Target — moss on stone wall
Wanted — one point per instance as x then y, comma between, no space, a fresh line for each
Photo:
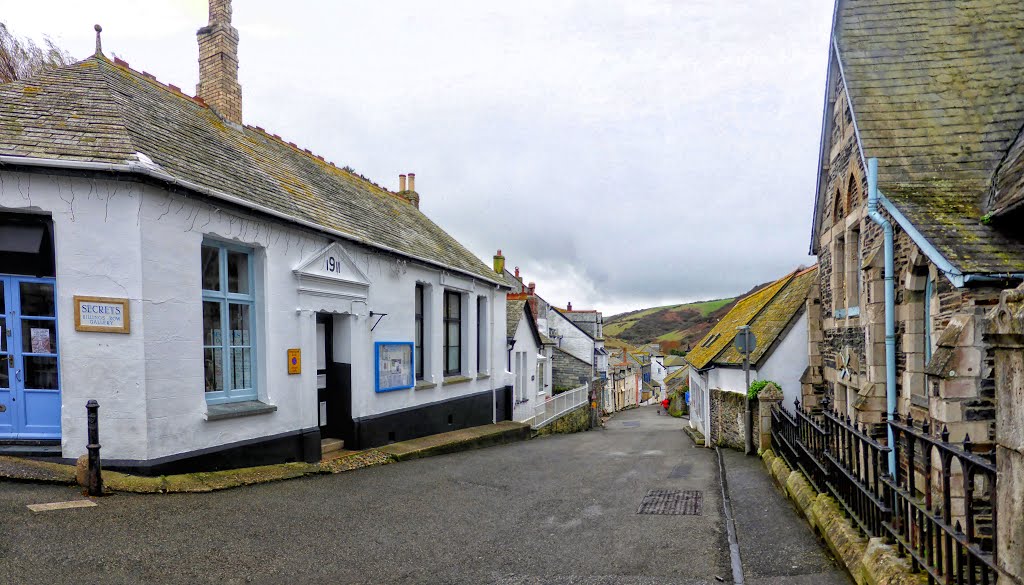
572,422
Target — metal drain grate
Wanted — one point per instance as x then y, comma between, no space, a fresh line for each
674,502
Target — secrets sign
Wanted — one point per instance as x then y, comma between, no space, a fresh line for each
102,314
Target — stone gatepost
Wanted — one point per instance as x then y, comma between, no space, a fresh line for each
768,397
1005,333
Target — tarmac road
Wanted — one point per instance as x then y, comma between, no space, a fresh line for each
559,509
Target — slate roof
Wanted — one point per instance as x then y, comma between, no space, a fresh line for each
99,111
1007,192
936,95
674,360
767,311
513,313
680,376
772,321
516,310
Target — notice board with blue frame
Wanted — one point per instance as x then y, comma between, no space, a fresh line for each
394,365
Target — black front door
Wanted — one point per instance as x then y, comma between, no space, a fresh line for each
333,383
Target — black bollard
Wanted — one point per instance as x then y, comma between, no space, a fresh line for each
95,479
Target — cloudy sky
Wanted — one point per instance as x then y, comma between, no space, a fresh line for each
624,154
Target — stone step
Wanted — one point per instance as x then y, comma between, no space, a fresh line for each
331,445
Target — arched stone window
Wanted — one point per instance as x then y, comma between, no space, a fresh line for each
852,193
838,210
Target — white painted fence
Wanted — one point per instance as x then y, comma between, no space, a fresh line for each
559,404
524,411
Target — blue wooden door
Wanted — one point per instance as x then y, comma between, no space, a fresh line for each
30,400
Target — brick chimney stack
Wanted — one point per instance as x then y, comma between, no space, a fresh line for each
499,263
531,299
218,63
569,307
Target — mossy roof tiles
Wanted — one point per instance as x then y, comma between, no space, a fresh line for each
768,312
935,88
722,334
773,320
101,112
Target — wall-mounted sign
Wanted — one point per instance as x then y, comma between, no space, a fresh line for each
394,365
295,361
103,314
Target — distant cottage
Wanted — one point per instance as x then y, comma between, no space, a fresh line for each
273,303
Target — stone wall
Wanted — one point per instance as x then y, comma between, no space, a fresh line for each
574,421
566,370
726,426
1005,334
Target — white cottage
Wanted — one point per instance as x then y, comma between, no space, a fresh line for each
529,360
777,317
227,297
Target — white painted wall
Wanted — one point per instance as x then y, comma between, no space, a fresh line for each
789,361
729,379
658,370
525,387
700,402
121,239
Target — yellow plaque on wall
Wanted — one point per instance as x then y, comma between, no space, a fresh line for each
295,361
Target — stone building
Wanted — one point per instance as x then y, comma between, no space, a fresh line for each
948,183
921,135
228,297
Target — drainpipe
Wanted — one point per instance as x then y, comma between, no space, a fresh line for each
890,306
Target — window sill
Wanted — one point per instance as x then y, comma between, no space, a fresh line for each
421,385
919,401
455,380
237,409
482,376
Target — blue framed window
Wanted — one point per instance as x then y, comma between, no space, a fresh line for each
229,308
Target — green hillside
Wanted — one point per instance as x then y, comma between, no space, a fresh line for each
674,326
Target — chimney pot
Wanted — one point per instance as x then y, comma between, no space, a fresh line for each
401,183
569,306
517,272
412,181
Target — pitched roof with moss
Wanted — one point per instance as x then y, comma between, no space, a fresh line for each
98,111
774,320
768,311
935,94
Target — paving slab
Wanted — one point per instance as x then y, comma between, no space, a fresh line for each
777,546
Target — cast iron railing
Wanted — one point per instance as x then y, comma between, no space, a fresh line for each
952,545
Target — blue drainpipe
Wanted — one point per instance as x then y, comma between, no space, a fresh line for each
890,305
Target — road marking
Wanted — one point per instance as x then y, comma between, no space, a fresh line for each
61,505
